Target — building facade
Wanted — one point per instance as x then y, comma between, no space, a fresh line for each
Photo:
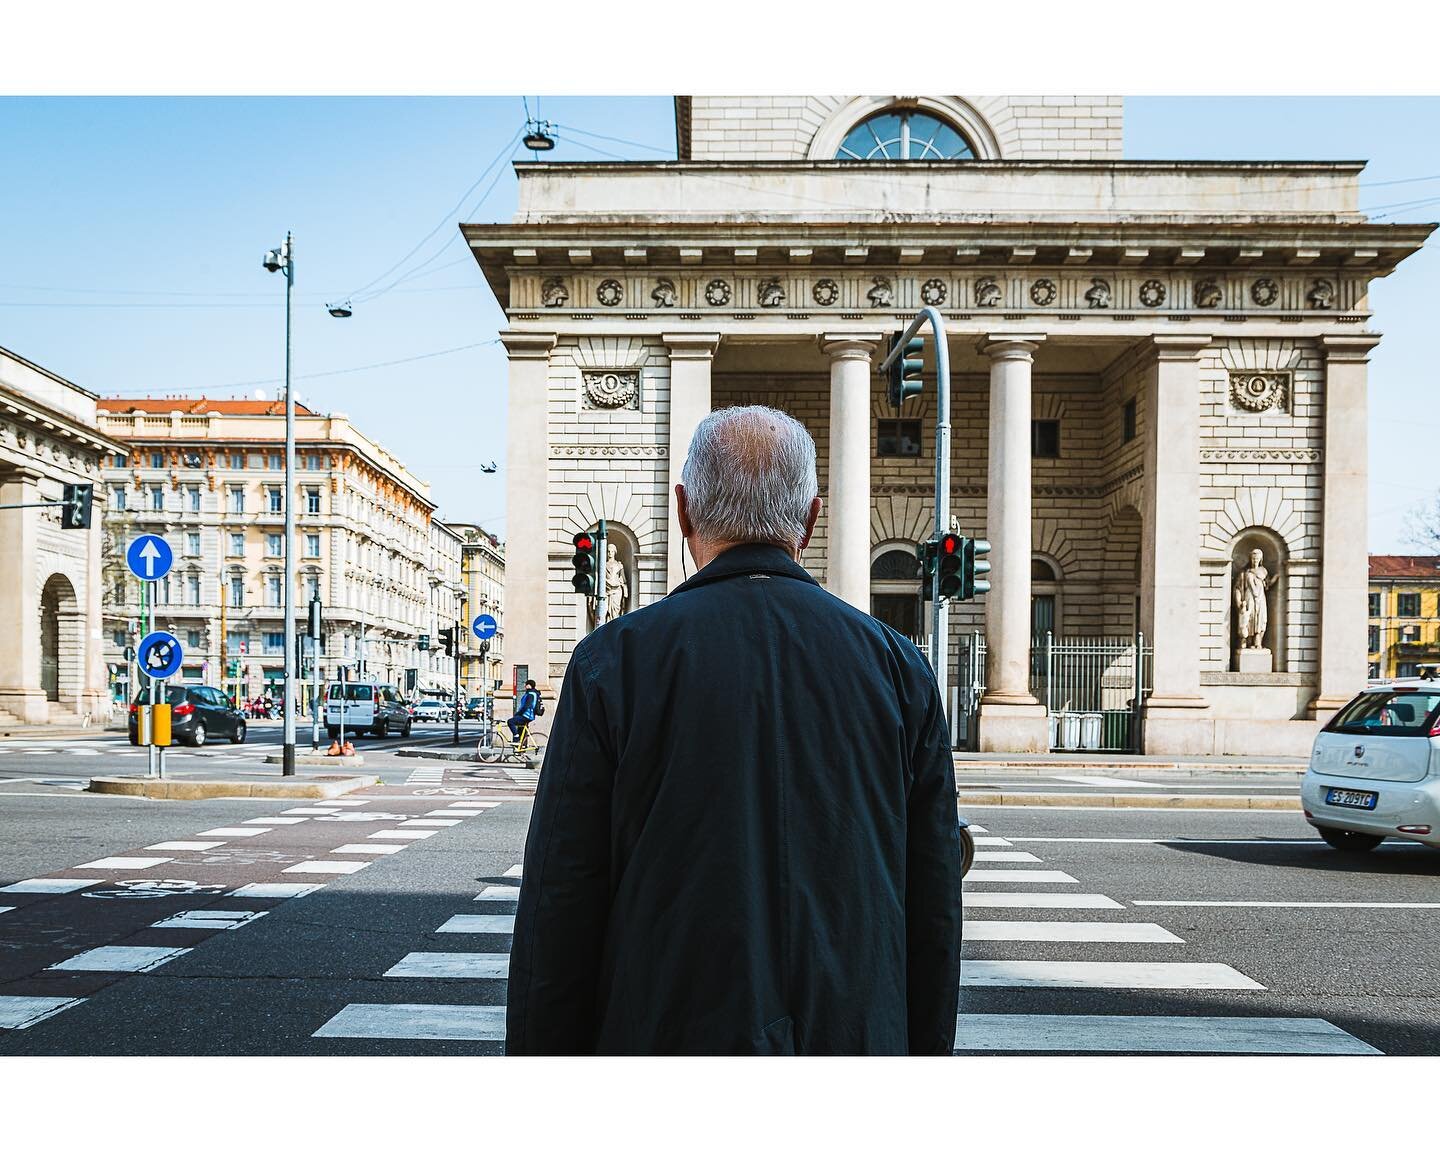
1158,370
445,609
483,574
208,475
50,578
1404,610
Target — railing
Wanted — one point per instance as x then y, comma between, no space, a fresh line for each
1093,688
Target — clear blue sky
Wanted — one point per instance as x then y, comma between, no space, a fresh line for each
133,231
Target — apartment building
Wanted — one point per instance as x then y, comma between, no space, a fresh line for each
1404,611
483,574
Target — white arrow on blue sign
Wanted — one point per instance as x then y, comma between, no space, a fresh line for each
484,627
149,557
159,655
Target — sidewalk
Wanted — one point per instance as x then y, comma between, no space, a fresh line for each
1126,766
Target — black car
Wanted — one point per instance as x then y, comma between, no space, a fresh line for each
196,715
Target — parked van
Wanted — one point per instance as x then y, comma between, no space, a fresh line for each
376,708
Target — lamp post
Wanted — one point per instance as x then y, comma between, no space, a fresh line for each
282,260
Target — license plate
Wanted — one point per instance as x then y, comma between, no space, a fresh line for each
1346,798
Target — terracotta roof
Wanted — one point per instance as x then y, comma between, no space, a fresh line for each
1405,567
201,406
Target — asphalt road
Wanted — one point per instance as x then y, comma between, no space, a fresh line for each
1110,930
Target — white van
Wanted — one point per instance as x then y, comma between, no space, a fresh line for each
363,707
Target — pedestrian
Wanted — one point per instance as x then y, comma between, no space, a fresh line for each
745,837
525,705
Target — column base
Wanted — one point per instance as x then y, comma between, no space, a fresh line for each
1013,724
1179,725
28,705
1323,707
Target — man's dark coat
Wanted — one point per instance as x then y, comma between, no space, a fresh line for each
744,838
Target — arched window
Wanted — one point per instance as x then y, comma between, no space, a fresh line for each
896,564
904,134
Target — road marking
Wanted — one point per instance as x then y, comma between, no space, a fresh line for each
1039,900
118,958
403,834
6,908
184,846
126,863
1071,931
454,966
1100,974
1221,1035
1108,782
308,812
1006,857
275,891
514,872
48,887
1017,876
454,812
499,892
1314,842
992,841
430,823
235,832
500,925
22,1011
371,849
976,828
277,820
341,803
1281,903
208,918
476,804
416,1022
333,866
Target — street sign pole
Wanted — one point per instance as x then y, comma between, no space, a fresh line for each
455,711
155,763
288,756
600,590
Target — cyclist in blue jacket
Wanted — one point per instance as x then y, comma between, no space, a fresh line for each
525,706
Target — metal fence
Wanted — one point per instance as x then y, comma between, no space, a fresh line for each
1093,688
966,691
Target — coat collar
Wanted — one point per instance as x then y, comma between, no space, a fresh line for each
745,560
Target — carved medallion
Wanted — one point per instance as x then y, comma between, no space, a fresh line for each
609,293
1043,293
663,294
607,388
717,293
1260,391
554,294
1098,294
1321,294
1208,294
987,293
772,293
1264,292
933,292
882,295
825,292
1152,293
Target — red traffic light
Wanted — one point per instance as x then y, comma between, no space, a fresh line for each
950,544
584,541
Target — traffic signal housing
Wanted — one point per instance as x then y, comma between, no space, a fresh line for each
587,546
926,553
951,558
904,379
76,500
447,640
974,566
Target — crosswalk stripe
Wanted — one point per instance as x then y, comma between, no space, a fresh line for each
1238,1035
454,965
1017,876
416,1022
1175,975
466,923
1070,931
1039,900
499,892
118,958
22,1011
1006,858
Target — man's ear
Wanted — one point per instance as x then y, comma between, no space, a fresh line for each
682,511
810,521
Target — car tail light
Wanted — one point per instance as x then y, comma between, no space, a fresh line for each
134,708
1418,829
182,709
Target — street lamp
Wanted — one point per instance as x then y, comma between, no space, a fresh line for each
538,136
282,260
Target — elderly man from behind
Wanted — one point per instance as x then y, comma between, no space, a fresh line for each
744,837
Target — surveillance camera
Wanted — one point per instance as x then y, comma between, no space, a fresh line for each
272,260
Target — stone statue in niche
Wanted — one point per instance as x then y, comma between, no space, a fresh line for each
617,586
1252,615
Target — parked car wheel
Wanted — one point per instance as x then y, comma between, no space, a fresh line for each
406,732
238,737
1350,841
333,733
381,730
197,735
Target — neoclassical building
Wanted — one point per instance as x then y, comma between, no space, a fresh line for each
1158,369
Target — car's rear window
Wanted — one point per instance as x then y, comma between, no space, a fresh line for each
353,692
1397,713
172,696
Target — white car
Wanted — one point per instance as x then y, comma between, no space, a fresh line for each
433,710
1375,769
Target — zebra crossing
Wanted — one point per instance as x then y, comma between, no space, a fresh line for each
1000,975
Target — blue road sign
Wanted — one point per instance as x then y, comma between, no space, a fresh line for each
149,557
159,655
484,627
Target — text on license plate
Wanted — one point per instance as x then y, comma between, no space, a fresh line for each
1345,798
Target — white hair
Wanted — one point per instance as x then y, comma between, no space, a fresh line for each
750,477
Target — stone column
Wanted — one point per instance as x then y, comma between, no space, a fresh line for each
527,503
95,697
1344,556
847,561
691,357
1177,718
1011,719
20,691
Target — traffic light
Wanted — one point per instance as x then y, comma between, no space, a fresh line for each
970,587
926,553
587,544
447,640
905,369
952,557
76,501
422,642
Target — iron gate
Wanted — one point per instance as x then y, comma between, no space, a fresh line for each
1093,688
965,694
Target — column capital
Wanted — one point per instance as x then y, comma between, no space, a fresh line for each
1017,346
691,345
1349,347
850,345
1186,346
528,345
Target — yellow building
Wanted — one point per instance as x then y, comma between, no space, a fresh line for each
483,574
1404,615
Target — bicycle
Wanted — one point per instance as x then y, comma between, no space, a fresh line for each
498,745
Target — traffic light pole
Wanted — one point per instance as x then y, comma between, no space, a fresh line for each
600,590
940,617
455,711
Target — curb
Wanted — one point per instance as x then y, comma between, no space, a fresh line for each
449,754
1121,800
1126,769
319,760
306,788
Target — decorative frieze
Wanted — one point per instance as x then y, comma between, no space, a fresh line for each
1264,292
1261,455
644,451
1260,391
